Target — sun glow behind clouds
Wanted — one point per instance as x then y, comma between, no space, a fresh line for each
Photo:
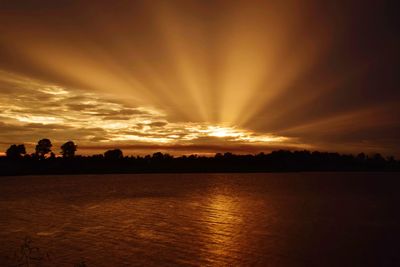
178,132
200,72
38,119
189,62
93,118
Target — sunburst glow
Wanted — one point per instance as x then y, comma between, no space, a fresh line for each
199,72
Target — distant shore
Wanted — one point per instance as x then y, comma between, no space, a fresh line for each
276,161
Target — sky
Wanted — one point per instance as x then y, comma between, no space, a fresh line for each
200,77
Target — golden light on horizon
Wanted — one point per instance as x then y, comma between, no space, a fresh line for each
190,72
117,122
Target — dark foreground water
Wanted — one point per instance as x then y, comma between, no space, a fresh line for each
290,219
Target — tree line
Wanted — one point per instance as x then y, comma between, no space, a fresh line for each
44,161
43,149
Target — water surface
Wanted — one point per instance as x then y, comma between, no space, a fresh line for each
288,219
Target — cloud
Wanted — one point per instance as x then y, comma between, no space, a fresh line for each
179,149
35,110
46,126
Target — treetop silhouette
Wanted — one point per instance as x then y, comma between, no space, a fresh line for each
113,154
43,148
16,151
68,149
17,162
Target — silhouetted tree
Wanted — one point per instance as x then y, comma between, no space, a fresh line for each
218,156
378,157
168,156
361,157
113,154
43,147
228,155
158,156
113,161
16,151
68,149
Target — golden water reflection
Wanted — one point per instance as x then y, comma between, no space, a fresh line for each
224,222
195,219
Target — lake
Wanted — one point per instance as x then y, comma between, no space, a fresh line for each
257,219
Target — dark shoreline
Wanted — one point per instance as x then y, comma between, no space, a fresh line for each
277,161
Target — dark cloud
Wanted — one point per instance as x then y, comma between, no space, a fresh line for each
116,118
158,124
110,112
98,139
9,129
188,149
80,107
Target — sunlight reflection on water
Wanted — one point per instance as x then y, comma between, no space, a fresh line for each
190,219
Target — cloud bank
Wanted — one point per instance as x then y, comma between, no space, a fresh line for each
32,110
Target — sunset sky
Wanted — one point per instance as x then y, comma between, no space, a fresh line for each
200,76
